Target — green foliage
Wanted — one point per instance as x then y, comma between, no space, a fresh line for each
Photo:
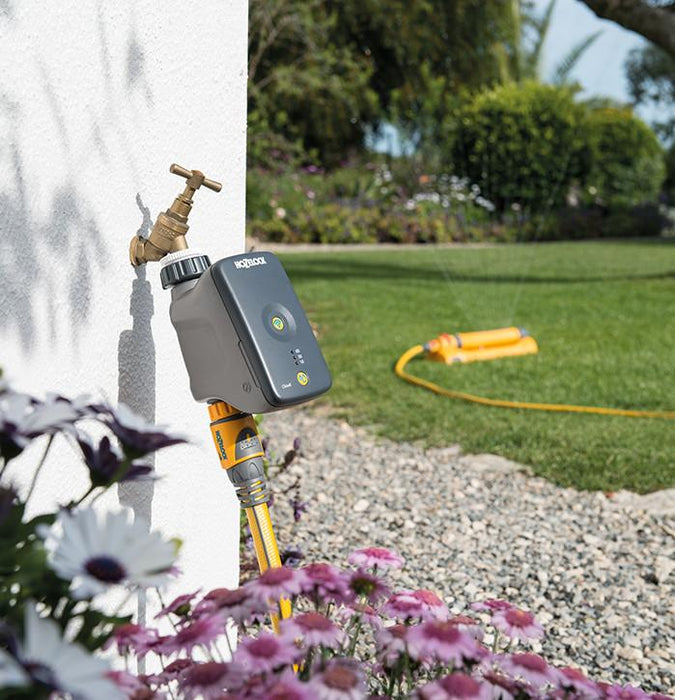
303,85
669,184
523,145
627,166
651,79
322,72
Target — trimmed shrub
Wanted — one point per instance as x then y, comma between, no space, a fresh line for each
522,144
627,163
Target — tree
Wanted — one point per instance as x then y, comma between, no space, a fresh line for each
651,78
524,61
654,20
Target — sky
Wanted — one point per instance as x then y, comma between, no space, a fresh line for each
601,69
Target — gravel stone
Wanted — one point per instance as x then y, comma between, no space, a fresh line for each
596,569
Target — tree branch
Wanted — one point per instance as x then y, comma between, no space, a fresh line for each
651,21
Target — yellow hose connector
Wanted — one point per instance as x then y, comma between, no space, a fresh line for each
235,436
485,345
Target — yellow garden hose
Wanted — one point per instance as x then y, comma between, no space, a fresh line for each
408,355
235,436
266,550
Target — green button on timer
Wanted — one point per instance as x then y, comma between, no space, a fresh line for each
278,323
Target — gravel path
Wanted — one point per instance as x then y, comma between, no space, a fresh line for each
599,573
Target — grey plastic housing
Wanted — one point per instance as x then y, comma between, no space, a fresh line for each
245,337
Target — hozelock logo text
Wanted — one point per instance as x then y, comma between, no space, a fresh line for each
221,446
245,263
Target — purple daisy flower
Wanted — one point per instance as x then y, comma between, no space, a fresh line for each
433,608
275,583
342,679
442,641
517,624
503,687
391,643
467,625
456,686
202,631
368,586
209,680
531,667
376,557
404,606
106,463
626,692
137,436
131,637
288,687
325,582
491,605
170,673
237,604
365,612
266,652
179,606
571,679
314,629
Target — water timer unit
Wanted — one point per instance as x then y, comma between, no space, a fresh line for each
244,336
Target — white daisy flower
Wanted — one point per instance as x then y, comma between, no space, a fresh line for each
96,555
55,664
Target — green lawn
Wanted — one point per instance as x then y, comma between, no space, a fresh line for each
602,312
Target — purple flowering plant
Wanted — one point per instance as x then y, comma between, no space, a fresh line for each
350,636
56,566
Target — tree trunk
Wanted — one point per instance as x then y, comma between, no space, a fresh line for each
656,23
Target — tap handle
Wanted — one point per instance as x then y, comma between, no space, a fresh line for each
195,178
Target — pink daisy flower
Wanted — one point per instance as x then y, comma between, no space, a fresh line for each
266,652
126,682
433,607
456,686
491,605
626,692
178,606
364,612
288,687
571,679
467,625
517,624
368,586
202,631
314,629
403,606
275,583
170,673
503,687
531,667
209,680
324,583
131,637
441,641
391,643
342,679
376,557
237,604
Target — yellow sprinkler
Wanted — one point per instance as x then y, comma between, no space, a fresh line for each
479,346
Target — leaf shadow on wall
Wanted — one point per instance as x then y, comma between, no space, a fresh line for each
38,253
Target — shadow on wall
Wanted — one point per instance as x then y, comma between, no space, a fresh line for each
35,254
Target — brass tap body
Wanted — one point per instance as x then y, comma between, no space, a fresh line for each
168,233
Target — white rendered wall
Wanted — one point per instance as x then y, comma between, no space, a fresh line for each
97,99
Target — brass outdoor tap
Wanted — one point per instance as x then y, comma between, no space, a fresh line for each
168,233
